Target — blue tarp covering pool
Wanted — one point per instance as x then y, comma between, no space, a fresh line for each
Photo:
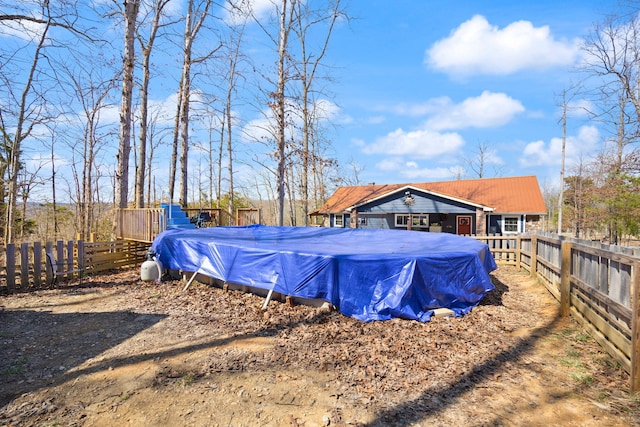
366,274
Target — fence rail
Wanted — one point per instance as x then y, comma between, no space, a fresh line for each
598,285
24,267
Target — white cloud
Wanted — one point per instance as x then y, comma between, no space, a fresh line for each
539,153
237,11
390,164
418,143
433,105
23,29
411,171
477,47
428,174
580,108
485,111
489,109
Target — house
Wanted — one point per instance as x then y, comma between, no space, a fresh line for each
507,205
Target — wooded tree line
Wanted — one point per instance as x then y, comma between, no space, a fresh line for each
83,130
602,194
81,125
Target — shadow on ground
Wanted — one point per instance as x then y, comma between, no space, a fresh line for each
37,348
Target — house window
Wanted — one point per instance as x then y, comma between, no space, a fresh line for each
420,221
402,220
362,221
417,220
510,225
338,221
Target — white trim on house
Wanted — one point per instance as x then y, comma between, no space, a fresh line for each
335,220
508,228
420,190
418,220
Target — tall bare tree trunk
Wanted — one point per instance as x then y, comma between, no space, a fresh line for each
194,21
174,145
564,142
280,112
144,101
309,63
122,172
230,88
15,151
184,134
219,161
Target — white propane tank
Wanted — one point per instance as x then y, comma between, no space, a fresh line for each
151,270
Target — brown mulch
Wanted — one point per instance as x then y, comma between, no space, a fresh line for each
510,361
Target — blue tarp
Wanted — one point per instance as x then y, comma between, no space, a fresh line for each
366,274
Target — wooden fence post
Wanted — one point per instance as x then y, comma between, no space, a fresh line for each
635,327
81,256
565,279
24,266
59,255
48,249
37,264
534,256
11,266
70,258
518,252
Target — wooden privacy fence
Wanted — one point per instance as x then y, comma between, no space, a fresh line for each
24,267
599,285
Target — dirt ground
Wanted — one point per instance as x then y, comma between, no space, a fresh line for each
117,351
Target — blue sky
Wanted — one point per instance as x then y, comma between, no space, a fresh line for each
417,87
421,84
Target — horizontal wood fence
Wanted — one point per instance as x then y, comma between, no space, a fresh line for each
599,285
24,267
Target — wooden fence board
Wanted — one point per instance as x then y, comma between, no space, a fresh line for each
612,334
11,266
634,370
602,340
614,312
37,264
24,266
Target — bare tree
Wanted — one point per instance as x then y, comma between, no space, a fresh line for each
612,66
235,41
130,13
563,120
156,12
280,104
195,18
154,140
213,149
304,22
91,91
229,75
612,63
27,107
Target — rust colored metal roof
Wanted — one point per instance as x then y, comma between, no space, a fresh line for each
520,194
